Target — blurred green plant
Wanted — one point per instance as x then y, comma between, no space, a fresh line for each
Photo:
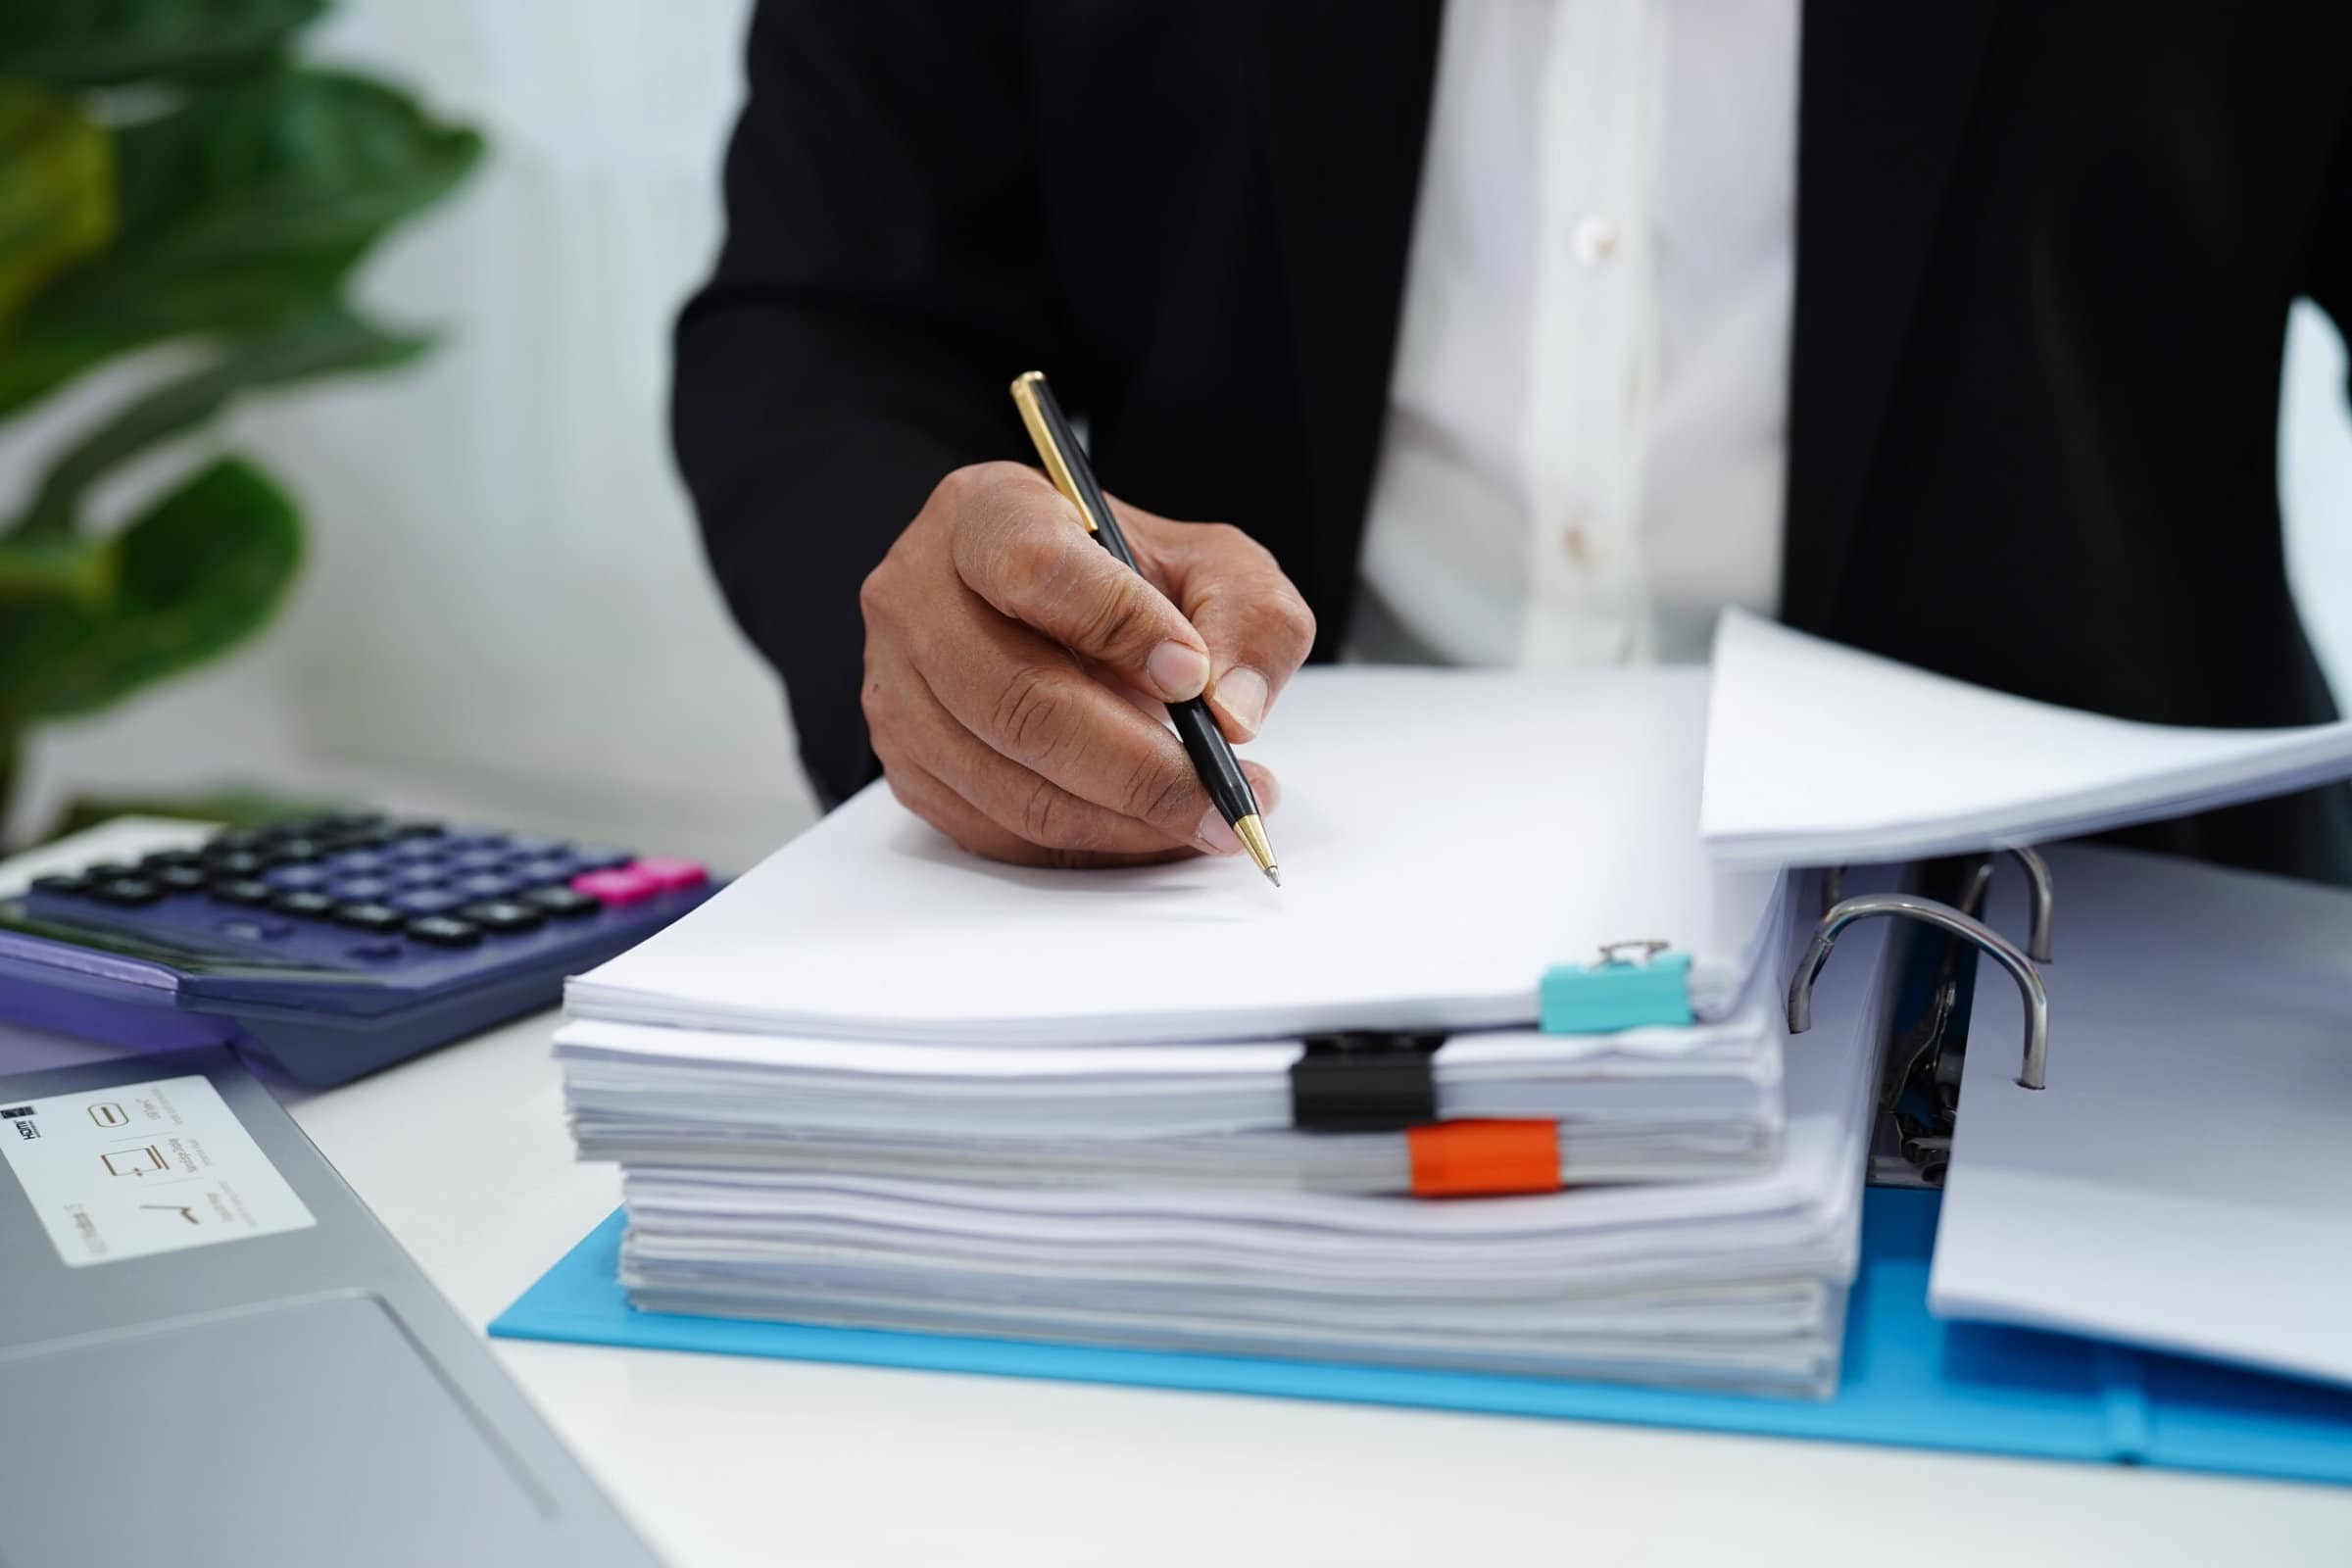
170,173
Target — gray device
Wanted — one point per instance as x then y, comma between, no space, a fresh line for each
213,1356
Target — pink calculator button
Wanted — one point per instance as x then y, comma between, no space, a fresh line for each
624,885
670,875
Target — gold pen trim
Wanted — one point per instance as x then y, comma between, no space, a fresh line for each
1049,451
1252,834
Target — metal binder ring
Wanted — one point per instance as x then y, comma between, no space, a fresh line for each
2037,878
1863,907
2039,884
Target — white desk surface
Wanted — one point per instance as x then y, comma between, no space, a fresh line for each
725,1461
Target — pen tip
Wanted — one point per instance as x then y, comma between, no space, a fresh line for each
1274,874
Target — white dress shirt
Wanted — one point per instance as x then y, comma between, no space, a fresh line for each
1584,451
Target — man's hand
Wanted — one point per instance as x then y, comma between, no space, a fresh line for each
1010,663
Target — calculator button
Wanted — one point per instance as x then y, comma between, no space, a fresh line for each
293,849
547,870
480,859
670,875
236,862
562,902
615,888
359,889
242,889
415,876
371,917
178,878
424,901
501,914
257,928
413,849
235,838
162,857
600,856
61,883
535,843
443,931
303,902
488,885
412,828
297,875
125,890
356,862
109,870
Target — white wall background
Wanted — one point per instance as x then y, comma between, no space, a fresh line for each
505,612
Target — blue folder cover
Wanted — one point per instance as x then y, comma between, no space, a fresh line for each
1910,1380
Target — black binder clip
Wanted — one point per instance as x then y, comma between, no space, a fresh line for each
1365,1082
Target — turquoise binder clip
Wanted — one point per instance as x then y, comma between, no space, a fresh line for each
1620,992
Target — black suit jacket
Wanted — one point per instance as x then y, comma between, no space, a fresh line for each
2045,252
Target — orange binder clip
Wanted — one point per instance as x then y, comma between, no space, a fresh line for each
1483,1158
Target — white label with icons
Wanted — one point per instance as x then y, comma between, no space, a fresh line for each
136,1169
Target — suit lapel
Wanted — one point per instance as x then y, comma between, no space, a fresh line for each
1344,88
1885,97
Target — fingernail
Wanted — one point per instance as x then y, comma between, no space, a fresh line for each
1242,693
1268,790
1218,834
1177,671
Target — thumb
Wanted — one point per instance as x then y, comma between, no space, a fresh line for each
1257,626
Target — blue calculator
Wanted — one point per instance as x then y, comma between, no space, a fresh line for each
328,946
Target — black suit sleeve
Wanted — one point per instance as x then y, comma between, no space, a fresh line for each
878,287
2331,276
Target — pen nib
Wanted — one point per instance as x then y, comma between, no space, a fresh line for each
1252,834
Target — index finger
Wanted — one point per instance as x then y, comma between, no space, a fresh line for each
1024,549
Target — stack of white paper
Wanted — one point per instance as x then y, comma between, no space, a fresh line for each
1643,1105
880,1082
1818,755
1736,1283
1433,896
871,1001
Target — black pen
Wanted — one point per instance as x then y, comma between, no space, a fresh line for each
1065,463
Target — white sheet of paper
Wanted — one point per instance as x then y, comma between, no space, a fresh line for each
1445,837
2185,1181
1819,754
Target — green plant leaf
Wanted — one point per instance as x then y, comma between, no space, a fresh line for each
71,567
331,342
56,189
242,211
88,43
204,570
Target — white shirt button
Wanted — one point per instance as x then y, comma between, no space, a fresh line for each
1577,540
1594,239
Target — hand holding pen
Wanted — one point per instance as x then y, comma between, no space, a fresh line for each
996,631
